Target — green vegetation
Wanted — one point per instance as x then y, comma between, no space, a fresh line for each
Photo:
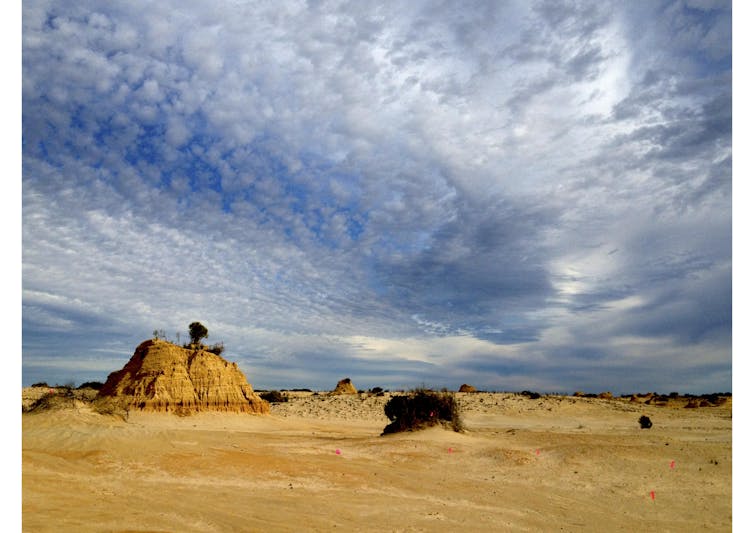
197,332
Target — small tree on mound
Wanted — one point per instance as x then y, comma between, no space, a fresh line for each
197,332
420,409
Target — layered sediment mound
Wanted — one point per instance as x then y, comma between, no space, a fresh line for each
344,386
161,376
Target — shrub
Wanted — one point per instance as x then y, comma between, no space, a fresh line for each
40,384
217,349
96,385
645,422
531,395
712,399
274,396
110,406
62,398
420,409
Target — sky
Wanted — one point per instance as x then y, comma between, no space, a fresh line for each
515,195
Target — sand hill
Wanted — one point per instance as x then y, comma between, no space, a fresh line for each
161,376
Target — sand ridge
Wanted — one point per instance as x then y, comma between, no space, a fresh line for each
550,464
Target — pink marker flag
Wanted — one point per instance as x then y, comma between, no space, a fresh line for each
538,451
652,494
450,450
337,451
672,464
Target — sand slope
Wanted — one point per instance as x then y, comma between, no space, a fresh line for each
553,464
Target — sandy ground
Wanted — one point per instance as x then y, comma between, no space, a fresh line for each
318,463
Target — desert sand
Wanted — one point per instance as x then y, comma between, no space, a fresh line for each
318,463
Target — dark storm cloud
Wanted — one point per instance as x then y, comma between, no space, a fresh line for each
476,269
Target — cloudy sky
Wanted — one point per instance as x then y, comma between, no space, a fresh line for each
516,195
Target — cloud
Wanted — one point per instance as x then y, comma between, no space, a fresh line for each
514,177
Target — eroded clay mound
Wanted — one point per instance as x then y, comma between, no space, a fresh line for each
162,376
344,386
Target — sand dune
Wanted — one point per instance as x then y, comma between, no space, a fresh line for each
318,463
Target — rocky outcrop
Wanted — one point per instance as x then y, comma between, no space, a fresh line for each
344,386
466,388
161,376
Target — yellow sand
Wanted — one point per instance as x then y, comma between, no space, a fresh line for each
553,464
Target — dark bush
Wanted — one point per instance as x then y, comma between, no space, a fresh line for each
216,349
645,422
274,396
96,385
711,398
531,395
41,384
420,409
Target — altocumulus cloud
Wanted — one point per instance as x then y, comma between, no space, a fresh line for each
516,195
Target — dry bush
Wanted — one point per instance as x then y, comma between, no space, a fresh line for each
62,398
110,406
420,409
274,396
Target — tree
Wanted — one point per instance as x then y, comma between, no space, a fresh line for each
197,332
